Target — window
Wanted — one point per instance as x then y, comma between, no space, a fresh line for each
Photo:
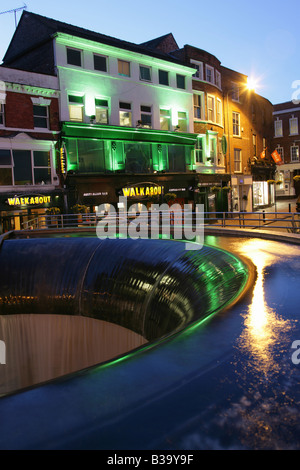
235,93
74,57
41,167
212,150
237,160
40,116
101,111
199,69
125,114
219,112
218,79
24,167
182,121
146,116
281,152
209,71
5,168
236,123
1,114
145,73
254,144
100,63
180,81
293,126
199,151
76,108
163,77
165,119
210,108
198,106
124,68
176,158
295,153
278,128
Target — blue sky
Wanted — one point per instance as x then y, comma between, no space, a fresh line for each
258,38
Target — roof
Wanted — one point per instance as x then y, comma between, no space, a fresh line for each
34,30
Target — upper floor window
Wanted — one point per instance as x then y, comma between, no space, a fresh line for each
5,168
182,121
74,57
236,124
24,167
235,92
180,81
278,128
163,77
146,116
100,63
125,114
76,108
199,150
237,160
219,112
145,73
281,152
293,126
101,111
295,153
218,79
212,150
199,69
1,114
41,116
210,76
254,144
165,119
210,108
124,68
198,106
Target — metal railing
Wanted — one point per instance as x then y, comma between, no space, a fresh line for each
287,221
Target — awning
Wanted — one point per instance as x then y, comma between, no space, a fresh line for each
95,131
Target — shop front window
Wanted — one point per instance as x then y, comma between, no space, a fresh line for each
91,156
138,158
176,155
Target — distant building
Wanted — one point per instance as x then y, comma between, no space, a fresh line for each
286,143
29,128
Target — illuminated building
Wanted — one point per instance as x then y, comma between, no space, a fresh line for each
138,114
286,143
29,128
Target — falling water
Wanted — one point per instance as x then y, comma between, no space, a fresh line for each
68,304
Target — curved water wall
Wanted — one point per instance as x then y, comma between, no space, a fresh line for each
151,287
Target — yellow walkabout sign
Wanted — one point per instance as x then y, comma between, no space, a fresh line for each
28,200
143,190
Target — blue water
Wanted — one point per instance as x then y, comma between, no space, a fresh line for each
227,383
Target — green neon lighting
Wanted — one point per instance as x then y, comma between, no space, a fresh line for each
83,130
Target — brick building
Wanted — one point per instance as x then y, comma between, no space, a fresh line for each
286,142
29,127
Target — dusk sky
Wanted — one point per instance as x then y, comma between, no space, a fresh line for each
258,38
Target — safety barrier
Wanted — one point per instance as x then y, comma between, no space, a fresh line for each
287,221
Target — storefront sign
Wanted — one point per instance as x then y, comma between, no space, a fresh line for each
142,190
28,200
101,193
